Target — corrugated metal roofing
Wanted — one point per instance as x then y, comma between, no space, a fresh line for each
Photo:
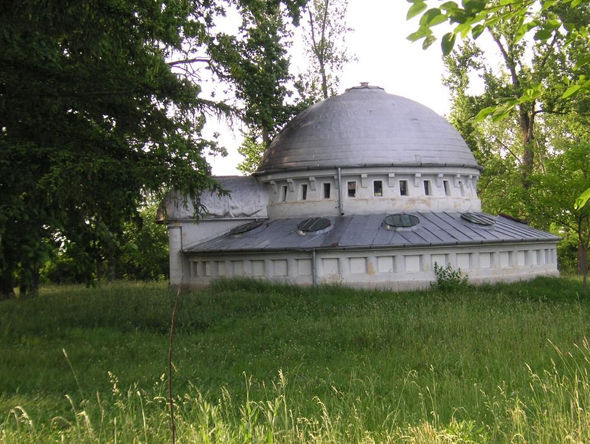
365,126
367,231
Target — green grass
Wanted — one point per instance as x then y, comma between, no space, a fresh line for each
258,362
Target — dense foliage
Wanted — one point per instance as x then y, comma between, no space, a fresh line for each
527,118
101,106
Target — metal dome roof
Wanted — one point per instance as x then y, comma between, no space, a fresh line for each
365,126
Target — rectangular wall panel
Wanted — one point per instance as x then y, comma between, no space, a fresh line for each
304,267
221,271
485,260
464,261
385,264
412,263
505,257
440,259
237,268
358,265
330,266
279,267
257,268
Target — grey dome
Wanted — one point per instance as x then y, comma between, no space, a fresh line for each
365,126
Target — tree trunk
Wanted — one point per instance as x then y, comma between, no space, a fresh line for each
6,285
324,80
30,278
265,138
527,121
583,263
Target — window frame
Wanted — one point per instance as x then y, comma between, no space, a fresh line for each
303,189
447,187
380,192
349,189
404,189
328,188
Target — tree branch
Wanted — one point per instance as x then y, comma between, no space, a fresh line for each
188,61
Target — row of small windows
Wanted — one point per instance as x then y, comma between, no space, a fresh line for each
351,187
403,188
303,193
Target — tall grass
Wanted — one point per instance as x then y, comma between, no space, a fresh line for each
266,363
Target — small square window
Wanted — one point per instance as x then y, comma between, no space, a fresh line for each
403,187
352,189
284,193
447,187
378,188
304,191
326,190
427,190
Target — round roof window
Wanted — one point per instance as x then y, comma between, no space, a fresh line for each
401,220
479,219
313,225
237,231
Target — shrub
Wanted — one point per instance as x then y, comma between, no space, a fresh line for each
448,279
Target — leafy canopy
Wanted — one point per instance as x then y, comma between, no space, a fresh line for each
94,115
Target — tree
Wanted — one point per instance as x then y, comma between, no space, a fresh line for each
551,197
94,115
543,19
256,63
324,32
325,38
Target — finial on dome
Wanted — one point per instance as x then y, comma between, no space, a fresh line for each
365,85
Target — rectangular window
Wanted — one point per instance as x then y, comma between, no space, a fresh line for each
403,187
377,188
304,191
284,193
352,189
447,188
326,190
427,188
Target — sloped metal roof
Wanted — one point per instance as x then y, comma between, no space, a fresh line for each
367,231
365,126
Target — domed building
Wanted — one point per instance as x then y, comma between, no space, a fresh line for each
364,189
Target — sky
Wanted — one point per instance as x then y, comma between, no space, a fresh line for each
384,57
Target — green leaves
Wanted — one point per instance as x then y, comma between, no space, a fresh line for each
582,200
93,117
448,41
432,17
507,104
571,91
416,8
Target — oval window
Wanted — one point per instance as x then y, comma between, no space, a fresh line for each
401,220
237,231
479,219
313,225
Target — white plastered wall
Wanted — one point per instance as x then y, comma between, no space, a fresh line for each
396,269
450,189
185,233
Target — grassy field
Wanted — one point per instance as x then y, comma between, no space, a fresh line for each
261,363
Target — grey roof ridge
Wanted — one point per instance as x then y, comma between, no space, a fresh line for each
367,165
